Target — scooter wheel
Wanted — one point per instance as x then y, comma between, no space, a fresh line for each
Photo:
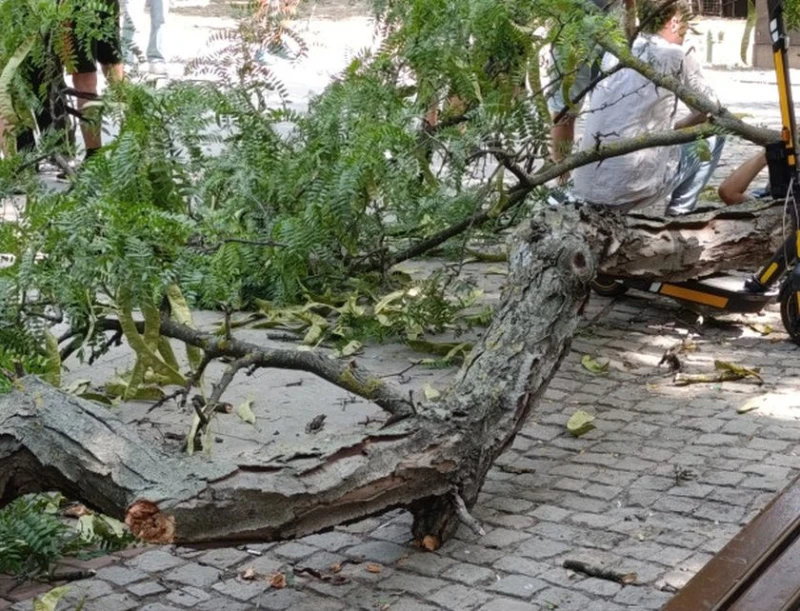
608,287
790,312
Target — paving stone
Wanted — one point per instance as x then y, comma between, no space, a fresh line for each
470,574
542,547
159,607
509,504
411,583
194,574
294,551
602,492
112,602
598,587
87,589
121,575
652,482
501,538
241,590
383,552
721,478
521,586
332,541
278,600
406,603
575,502
146,588
396,533
216,603
509,604
550,513
469,552
426,563
520,565
594,520
317,603
224,558
562,599
642,596
188,597
155,561
459,598
264,565
720,512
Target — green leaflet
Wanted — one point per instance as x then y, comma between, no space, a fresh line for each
7,113
580,423
145,347
50,600
52,373
245,412
182,314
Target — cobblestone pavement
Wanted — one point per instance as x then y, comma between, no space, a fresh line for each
668,476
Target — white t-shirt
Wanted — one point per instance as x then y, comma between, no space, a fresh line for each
627,105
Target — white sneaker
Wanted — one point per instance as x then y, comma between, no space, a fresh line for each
158,68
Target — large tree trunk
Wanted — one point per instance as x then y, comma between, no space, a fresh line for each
696,245
433,461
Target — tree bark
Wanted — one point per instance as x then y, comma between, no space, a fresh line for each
696,245
433,461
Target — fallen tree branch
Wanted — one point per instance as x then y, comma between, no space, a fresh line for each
463,514
349,376
600,572
51,440
692,98
518,193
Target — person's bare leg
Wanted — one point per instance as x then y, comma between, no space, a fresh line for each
562,136
3,149
90,130
114,73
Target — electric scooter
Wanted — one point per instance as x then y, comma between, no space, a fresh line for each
779,278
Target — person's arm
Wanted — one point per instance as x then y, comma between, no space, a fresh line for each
692,76
695,118
733,189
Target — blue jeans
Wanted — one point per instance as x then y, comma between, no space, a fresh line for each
159,9
693,175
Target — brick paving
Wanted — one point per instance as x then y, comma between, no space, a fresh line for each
612,498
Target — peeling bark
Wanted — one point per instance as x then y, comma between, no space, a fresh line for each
696,245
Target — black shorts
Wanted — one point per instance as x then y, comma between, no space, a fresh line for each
106,48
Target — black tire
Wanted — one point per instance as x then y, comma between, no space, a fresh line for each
790,312
608,287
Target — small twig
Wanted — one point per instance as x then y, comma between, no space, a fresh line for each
600,572
684,379
463,514
220,387
70,575
400,374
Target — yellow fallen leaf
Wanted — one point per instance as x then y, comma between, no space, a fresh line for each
430,392
580,423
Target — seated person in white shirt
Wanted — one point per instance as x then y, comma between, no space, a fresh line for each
627,105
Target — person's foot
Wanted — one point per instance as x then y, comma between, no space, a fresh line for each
158,69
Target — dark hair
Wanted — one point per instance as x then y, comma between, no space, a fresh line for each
654,14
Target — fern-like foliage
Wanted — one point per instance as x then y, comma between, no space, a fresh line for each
32,537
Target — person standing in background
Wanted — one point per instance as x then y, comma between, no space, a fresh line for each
156,62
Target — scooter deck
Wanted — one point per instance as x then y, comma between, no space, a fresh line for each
721,292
